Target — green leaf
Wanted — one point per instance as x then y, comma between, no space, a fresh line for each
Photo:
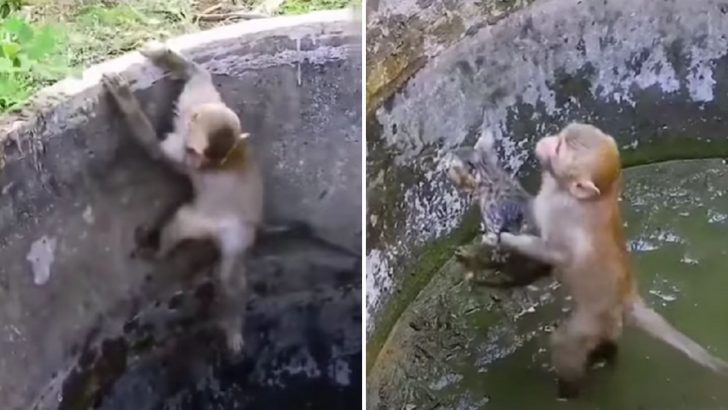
25,33
12,24
10,50
22,30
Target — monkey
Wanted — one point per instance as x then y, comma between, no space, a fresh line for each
208,146
504,207
581,235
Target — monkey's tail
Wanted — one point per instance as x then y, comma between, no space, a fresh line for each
643,317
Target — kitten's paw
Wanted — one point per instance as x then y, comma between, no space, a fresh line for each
491,239
465,253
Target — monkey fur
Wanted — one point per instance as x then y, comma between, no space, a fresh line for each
208,146
582,236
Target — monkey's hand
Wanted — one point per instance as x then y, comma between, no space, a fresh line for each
141,128
120,90
532,247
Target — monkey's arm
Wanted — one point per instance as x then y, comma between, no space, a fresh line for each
139,125
532,247
518,270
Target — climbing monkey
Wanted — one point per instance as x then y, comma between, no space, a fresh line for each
208,146
581,235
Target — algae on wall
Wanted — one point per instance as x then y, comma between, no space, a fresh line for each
403,34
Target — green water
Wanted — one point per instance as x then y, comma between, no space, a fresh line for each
459,348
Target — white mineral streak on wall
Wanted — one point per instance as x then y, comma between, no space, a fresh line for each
379,281
518,58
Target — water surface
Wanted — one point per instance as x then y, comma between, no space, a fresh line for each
458,348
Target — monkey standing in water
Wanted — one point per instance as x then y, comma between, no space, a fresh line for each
504,207
208,146
581,235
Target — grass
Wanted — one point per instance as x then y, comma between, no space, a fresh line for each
305,6
98,30
91,31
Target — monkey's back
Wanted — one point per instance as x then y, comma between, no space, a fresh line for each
231,193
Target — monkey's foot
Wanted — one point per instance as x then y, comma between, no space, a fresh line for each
144,253
235,342
568,389
146,244
154,50
606,351
164,57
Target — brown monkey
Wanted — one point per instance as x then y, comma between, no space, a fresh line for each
208,146
504,207
581,235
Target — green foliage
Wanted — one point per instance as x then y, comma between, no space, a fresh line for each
305,6
100,31
8,6
29,57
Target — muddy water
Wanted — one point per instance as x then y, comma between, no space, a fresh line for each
460,348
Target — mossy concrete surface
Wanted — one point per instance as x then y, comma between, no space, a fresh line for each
456,347
653,74
403,34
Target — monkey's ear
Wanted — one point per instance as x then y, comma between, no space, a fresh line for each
244,135
584,189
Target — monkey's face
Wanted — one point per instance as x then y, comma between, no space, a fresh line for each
569,163
552,153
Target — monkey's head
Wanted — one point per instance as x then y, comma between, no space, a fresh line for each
214,132
582,159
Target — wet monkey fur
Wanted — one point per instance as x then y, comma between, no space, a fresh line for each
581,235
208,146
